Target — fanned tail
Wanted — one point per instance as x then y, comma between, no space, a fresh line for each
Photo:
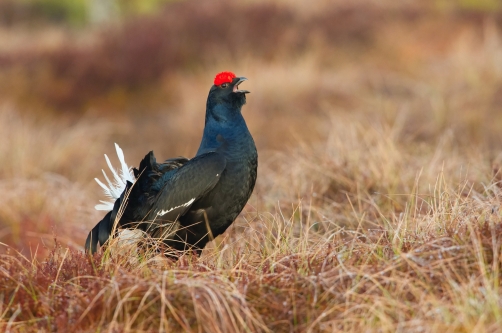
114,189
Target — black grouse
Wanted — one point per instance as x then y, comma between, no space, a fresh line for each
186,202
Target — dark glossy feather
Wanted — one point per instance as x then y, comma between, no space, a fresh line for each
186,202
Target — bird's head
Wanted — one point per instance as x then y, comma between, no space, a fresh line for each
225,95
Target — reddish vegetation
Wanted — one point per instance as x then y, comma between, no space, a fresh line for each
326,288
145,50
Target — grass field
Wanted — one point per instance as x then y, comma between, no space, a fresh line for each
377,205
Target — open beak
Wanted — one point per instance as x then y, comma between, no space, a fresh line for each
236,86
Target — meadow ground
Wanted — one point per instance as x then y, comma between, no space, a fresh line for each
377,205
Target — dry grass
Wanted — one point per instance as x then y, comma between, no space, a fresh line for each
377,207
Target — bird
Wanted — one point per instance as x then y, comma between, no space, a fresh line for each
186,202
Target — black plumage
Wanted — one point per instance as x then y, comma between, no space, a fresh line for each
186,202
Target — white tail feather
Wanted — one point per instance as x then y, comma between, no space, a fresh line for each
125,171
105,188
118,180
105,205
115,189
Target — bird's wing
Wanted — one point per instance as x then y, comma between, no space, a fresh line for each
188,184
151,178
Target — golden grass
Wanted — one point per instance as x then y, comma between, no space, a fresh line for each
415,272
377,206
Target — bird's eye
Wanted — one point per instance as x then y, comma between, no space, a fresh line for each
224,85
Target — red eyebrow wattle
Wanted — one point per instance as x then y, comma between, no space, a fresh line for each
223,77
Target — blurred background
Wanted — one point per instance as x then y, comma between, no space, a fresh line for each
78,75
